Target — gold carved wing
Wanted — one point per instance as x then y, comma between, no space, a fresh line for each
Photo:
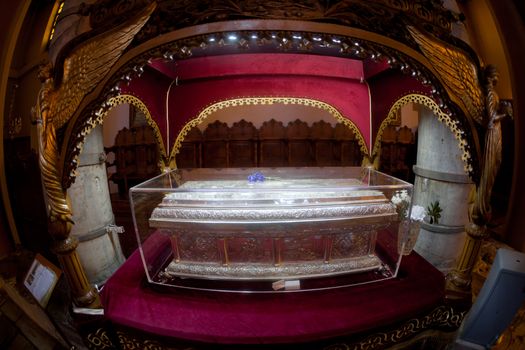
456,71
86,66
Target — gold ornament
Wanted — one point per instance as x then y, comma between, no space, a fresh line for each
84,68
456,70
479,101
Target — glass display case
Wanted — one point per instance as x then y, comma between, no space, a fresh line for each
270,229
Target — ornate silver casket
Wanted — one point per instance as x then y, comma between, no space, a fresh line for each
274,225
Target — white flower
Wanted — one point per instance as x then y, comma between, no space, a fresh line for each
418,213
401,200
396,200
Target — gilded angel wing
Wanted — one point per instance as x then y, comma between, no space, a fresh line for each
456,71
89,64
83,70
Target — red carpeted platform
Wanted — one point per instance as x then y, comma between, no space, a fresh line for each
233,318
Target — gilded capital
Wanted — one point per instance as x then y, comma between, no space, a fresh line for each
65,246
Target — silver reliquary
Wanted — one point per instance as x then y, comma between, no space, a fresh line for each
268,229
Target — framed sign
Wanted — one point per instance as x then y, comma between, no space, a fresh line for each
41,279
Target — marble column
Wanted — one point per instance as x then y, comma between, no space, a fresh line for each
440,176
99,249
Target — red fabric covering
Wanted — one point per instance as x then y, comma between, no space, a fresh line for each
204,81
230,318
372,68
151,89
210,67
386,89
349,97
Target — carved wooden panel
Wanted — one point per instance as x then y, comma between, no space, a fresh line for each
272,146
242,145
299,145
406,153
322,134
146,151
215,146
398,152
346,147
136,157
124,153
405,135
189,155
388,158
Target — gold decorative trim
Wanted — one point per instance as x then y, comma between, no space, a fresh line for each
444,318
250,101
379,14
181,42
77,74
52,23
99,340
135,101
109,338
443,117
128,341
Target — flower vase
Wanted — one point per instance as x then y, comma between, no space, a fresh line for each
408,233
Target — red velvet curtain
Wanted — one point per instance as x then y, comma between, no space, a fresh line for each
200,82
197,83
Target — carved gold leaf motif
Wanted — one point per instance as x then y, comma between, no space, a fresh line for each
456,71
89,64
444,118
83,70
134,101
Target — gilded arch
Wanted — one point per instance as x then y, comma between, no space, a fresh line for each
250,101
136,102
349,42
443,117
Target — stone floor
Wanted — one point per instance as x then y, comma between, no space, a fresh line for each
24,324
18,331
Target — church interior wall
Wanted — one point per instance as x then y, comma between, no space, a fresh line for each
23,75
484,37
480,24
11,17
117,119
510,22
410,116
23,72
6,245
386,89
350,98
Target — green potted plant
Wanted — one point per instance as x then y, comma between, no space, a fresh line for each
434,213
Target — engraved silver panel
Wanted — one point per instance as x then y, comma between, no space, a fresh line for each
264,272
276,229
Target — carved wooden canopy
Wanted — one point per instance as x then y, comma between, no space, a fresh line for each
403,34
412,37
